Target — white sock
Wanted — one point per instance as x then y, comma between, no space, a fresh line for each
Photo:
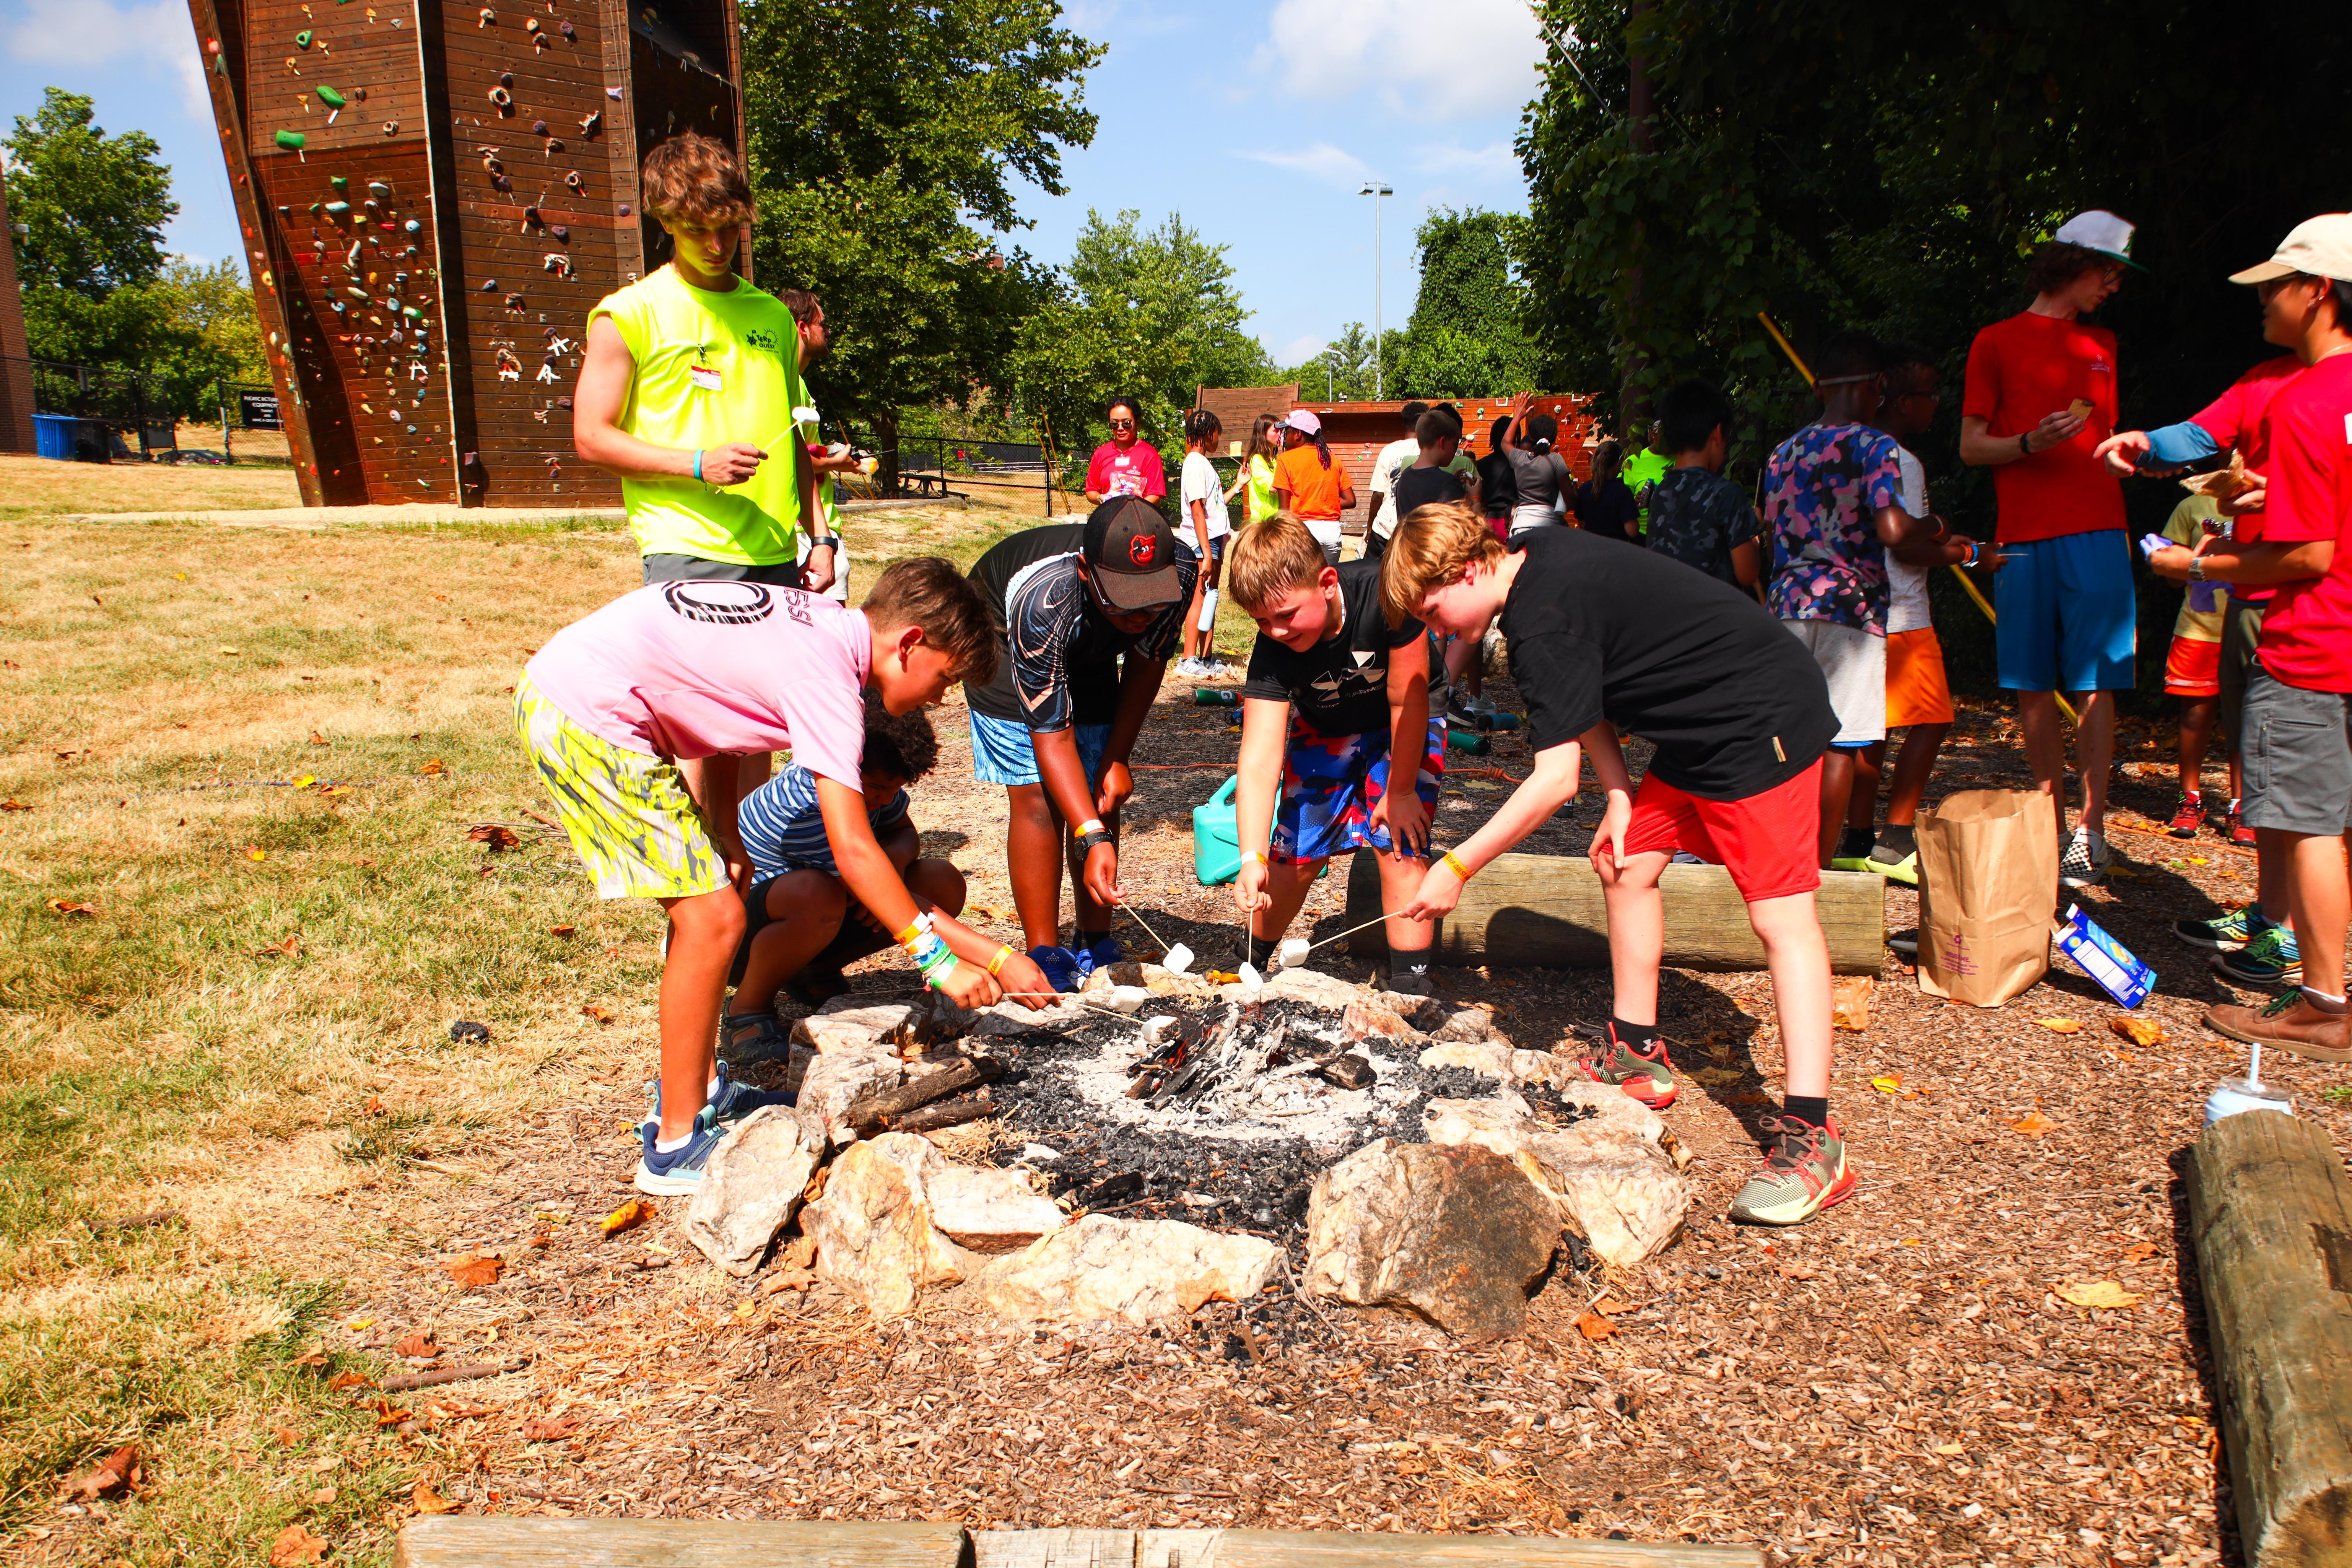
2323,1001
710,1089
672,1145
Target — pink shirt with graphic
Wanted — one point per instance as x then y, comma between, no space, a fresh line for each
706,668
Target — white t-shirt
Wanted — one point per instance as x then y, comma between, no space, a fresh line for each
1199,482
1906,586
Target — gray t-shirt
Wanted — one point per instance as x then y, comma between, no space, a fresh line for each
1541,476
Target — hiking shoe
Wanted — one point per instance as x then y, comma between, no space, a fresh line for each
1100,952
1645,1075
1061,966
1894,865
2269,959
732,1101
2226,935
1399,984
2240,833
2286,1023
1805,1173
2188,819
2085,864
669,1173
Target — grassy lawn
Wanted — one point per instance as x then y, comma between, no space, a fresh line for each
41,486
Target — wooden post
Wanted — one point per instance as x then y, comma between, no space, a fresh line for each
1529,909
461,1541
2270,1216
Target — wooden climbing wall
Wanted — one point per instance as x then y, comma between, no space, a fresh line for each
433,195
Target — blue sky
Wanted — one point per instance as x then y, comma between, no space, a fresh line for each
1258,122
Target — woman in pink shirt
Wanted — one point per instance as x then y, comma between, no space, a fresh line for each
1124,465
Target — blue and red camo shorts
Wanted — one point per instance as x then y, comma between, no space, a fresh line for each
1330,784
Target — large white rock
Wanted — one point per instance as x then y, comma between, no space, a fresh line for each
986,1209
1314,986
1610,1174
1457,1235
1364,1018
1135,1270
751,1187
1491,1057
873,1226
843,1071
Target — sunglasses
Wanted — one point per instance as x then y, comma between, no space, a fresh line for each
1122,424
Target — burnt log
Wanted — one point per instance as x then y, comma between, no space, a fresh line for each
875,1112
1547,910
2269,1214
945,1114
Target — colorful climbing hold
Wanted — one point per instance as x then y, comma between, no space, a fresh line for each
302,40
331,98
290,140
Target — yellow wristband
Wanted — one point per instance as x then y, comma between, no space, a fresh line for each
1453,863
906,936
997,964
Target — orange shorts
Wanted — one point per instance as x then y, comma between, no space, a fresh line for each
2192,668
1769,842
1916,692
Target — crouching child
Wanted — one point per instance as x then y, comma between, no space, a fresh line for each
1340,749
1740,715
802,926
675,671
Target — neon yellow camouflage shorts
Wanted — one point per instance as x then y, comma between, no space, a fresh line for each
629,814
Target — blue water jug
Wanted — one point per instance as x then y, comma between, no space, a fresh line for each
1216,838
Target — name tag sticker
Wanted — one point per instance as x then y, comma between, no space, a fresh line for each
703,376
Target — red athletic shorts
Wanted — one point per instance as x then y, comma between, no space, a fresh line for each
1771,843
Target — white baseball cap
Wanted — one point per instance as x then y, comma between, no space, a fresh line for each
2100,230
2321,247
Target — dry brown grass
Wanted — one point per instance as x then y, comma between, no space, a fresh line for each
40,487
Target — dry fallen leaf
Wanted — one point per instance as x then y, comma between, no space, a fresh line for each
2033,1124
233,652
1892,1083
499,839
800,1252
482,1269
2138,1031
2141,1253
1850,1007
296,1546
63,907
120,1472
1948,1448
1714,1077
1593,1326
434,765
419,1343
562,931
2061,1025
428,1500
13,804
256,852
290,948
287,1436
787,1279
550,1428
601,1015
628,1217
2096,1293
343,1380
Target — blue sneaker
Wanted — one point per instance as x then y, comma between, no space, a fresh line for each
2271,960
677,1171
731,1102
1100,952
1065,970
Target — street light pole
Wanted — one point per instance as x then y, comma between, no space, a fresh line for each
1374,189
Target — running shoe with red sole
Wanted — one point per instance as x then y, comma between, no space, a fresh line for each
2240,833
2188,819
1643,1074
1805,1173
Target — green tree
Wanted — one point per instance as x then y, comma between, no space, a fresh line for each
93,205
1150,314
1342,373
884,142
1468,335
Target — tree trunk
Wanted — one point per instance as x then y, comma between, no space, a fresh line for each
885,450
1633,394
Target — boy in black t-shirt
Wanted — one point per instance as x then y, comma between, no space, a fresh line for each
1740,715
1336,711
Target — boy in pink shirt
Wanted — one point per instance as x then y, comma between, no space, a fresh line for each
676,671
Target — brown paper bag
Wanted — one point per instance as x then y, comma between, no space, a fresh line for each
1987,889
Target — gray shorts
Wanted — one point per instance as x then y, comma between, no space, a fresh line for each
1853,662
2241,634
2297,756
695,569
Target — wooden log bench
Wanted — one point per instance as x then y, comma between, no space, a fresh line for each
457,1541
1546,910
2270,1216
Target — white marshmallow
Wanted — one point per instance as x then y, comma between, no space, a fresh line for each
1157,1030
1294,951
1251,977
1128,999
1179,959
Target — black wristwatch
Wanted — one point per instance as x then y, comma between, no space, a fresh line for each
1086,841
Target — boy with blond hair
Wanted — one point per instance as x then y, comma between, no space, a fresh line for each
1337,724
1600,638
676,672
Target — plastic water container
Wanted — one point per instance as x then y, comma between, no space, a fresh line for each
1216,838
2237,1094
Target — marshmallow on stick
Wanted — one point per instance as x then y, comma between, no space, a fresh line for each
1177,960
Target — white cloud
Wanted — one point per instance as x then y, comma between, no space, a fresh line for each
1321,162
99,32
1296,350
1467,58
1494,162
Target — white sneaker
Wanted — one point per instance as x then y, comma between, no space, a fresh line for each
1191,669
2084,863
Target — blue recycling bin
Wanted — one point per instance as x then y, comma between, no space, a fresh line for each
53,435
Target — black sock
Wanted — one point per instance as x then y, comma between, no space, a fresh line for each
1813,1110
1633,1036
1854,843
1902,841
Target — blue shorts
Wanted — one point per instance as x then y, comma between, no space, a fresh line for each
1192,552
1330,784
2068,615
1001,755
